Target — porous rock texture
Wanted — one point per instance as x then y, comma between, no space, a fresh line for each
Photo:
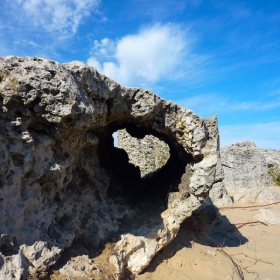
63,181
272,157
151,153
246,172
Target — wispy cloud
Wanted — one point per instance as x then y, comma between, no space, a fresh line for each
252,105
63,16
33,44
154,53
275,92
209,104
265,135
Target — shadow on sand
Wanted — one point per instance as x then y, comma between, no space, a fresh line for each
207,227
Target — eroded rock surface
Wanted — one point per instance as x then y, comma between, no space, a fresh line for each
272,157
63,181
149,153
244,166
247,172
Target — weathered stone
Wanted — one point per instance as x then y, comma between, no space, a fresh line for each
63,181
149,153
272,157
244,166
246,172
256,195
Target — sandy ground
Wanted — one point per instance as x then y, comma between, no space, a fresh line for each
215,243
226,252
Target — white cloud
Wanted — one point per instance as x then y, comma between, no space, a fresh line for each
157,52
265,135
104,48
56,15
93,62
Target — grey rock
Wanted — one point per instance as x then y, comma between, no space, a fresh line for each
218,195
62,180
272,157
260,195
244,166
149,153
247,172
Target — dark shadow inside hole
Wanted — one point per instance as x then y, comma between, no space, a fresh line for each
125,178
143,198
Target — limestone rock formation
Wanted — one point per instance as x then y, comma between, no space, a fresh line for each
244,166
63,181
246,172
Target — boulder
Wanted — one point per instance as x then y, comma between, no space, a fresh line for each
246,170
244,166
63,181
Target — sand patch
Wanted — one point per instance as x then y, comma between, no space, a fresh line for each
253,247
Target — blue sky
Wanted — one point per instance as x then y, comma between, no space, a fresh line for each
213,57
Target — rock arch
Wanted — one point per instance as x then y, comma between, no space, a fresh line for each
59,167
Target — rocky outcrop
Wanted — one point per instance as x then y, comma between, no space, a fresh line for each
246,171
63,181
244,166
